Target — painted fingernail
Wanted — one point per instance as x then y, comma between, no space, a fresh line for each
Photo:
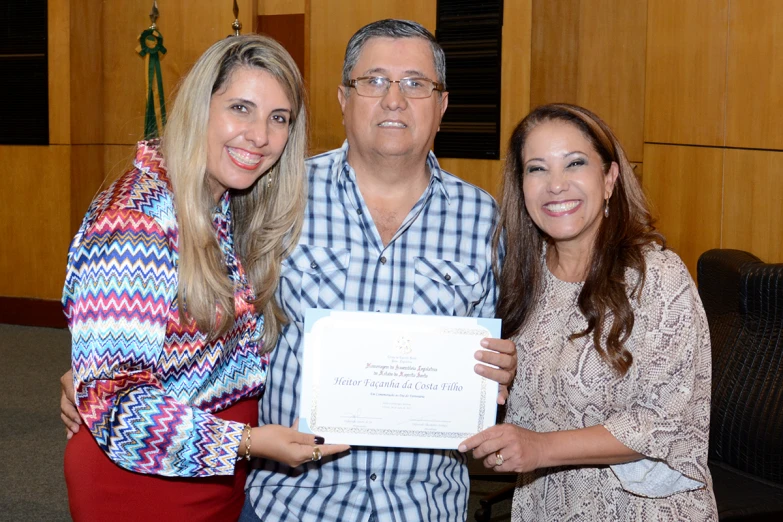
319,440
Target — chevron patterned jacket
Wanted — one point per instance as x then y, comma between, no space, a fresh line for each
147,386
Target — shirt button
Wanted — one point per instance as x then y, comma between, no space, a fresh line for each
383,260
447,277
373,477
313,265
359,211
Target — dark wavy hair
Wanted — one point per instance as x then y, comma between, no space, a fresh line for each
619,244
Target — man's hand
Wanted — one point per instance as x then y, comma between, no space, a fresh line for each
68,412
500,364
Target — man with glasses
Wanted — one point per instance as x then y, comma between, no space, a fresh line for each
385,230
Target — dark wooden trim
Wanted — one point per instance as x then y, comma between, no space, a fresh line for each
32,312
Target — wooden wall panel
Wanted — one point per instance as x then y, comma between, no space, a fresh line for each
86,80
278,7
482,173
34,220
685,87
684,185
753,213
516,67
59,65
611,63
755,75
555,47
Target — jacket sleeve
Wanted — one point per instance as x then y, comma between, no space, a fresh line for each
120,286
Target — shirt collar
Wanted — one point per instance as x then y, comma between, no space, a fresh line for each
341,169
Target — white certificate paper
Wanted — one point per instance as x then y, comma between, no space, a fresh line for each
395,380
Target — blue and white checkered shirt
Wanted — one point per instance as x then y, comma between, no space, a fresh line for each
438,262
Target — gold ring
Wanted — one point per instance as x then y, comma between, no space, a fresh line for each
498,459
316,454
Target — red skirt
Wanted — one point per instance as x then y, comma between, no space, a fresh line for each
99,489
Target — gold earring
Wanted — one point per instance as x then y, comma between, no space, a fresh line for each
268,181
606,208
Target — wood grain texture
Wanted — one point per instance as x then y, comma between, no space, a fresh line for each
278,7
684,186
86,74
685,87
516,67
611,58
34,220
753,213
754,107
59,65
289,30
485,174
554,66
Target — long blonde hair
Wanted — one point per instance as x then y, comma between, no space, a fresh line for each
267,217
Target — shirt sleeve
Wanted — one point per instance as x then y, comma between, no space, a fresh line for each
120,286
667,418
486,307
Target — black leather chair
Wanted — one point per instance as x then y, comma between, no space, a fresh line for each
743,299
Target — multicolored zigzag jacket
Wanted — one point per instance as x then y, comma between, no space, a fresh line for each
147,386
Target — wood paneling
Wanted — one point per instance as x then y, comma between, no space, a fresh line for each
34,220
685,87
555,47
516,67
59,58
611,58
482,173
289,30
753,213
755,99
684,185
86,80
278,7
32,312
592,53
332,24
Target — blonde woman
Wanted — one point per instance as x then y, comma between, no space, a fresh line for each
169,296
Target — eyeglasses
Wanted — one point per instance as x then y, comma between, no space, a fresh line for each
378,86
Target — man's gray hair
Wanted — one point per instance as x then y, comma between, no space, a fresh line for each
391,28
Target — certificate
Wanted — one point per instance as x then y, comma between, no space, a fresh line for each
394,380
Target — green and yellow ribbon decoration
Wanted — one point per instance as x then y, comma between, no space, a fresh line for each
152,44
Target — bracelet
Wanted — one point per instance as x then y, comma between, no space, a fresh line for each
246,436
247,442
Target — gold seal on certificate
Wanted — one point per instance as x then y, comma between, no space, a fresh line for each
395,380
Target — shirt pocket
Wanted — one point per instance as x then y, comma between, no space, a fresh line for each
444,287
314,277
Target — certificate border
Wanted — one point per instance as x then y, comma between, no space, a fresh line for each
313,315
